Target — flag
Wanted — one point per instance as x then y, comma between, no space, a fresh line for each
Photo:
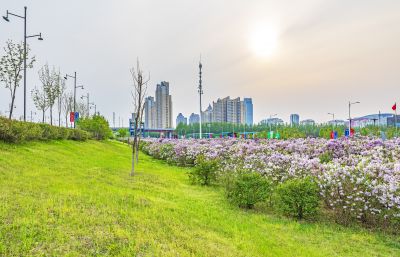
394,107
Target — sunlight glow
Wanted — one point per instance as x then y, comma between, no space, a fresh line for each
263,40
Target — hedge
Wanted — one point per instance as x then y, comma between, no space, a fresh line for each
12,131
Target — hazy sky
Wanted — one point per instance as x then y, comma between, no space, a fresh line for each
308,57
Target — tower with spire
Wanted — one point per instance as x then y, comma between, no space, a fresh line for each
200,90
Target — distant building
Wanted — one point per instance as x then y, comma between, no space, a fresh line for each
294,120
382,119
391,121
206,116
149,112
337,122
181,119
307,122
247,110
272,121
194,118
164,106
158,111
233,110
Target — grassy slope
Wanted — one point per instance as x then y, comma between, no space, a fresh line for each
77,199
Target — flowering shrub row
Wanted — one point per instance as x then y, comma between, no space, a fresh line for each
358,179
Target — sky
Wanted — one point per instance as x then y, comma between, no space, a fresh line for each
309,57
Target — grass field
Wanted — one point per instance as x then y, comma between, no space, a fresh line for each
77,199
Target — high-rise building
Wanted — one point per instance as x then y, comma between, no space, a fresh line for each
149,112
218,114
206,116
163,106
158,111
247,111
294,120
233,111
181,119
194,118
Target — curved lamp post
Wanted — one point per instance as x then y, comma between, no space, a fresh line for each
39,36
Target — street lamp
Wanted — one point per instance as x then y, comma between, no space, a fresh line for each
32,113
350,104
75,87
333,118
87,98
39,36
95,106
270,118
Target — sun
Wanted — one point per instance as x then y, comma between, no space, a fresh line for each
263,40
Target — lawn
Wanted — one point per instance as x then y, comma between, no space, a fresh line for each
66,198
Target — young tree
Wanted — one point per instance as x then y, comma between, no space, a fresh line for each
51,84
11,67
138,95
60,98
67,105
81,107
40,100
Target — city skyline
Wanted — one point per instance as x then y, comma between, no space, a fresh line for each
287,56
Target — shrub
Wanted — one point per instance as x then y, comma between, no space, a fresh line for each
326,157
247,189
97,126
12,131
123,133
298,198
204,172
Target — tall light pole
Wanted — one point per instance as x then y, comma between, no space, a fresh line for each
270,118
87,98
200,90
95,109
333,119
32,115
75,87
350,104
39,36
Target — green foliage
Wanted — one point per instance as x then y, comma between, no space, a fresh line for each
204,172
298,198
326,157
11,67
247,189
97,126
64,198
13,131
123,132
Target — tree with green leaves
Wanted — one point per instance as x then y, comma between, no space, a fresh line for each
51,81
40,100
11,67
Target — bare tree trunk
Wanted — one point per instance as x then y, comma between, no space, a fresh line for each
12,103
134,148
43,112
51,115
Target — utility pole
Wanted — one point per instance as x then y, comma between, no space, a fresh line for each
200,90
114,120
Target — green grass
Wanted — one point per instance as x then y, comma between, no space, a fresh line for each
77,199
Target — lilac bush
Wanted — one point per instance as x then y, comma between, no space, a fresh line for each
361,181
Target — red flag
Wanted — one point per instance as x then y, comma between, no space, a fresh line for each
71,117
394,107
